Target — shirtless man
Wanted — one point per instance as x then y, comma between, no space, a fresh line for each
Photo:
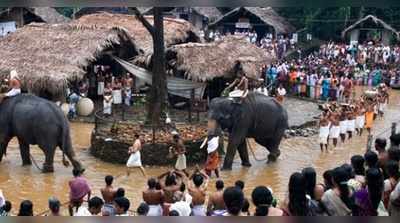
335,129
134,160
108,193
216,201
383,100
197,189
154,198
343,124
172,183
360,119
324,126
179,150
351,125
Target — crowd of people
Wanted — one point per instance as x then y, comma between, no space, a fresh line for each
345,119
365,186
277,47
332,72
102,84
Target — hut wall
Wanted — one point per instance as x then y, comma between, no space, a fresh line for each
354,34
196,20
386,36
16,15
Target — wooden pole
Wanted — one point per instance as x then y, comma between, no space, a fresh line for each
369,142
394,128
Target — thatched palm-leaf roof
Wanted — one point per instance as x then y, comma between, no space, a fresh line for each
206,61
48,56
375,20
93,10
212,13
266,15
50,15
176,31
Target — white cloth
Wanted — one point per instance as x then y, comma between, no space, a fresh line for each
100,88
182,207
334,132
117,97
213,144
282,91
155,210
360,121
323,134
13,92
128,96
351,125
181,162
2,199
134,160
199,210
83,211
236,94
107,106
382,107
343,126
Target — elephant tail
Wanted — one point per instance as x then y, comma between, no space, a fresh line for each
65,144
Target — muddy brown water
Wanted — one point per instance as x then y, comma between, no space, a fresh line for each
19,183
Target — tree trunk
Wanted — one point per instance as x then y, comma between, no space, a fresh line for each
158,90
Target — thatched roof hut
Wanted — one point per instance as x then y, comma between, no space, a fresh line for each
255,17
176,31
47,56
211,13
368,23
93,10
202,62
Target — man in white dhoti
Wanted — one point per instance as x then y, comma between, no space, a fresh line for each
335,129
351,123
107,100
117,92
154,198
134,160
179,149
324,126
343,125
14,85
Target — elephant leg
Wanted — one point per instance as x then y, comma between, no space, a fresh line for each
48,165
273,147
244,154
25,153
3,147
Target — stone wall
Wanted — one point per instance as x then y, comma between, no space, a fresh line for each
113,151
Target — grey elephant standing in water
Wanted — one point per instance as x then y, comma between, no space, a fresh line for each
258,116
35,121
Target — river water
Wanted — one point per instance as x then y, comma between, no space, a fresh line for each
19,183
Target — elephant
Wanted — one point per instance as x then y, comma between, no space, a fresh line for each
36,121
257,116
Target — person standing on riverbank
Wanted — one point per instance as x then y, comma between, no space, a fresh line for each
135,160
